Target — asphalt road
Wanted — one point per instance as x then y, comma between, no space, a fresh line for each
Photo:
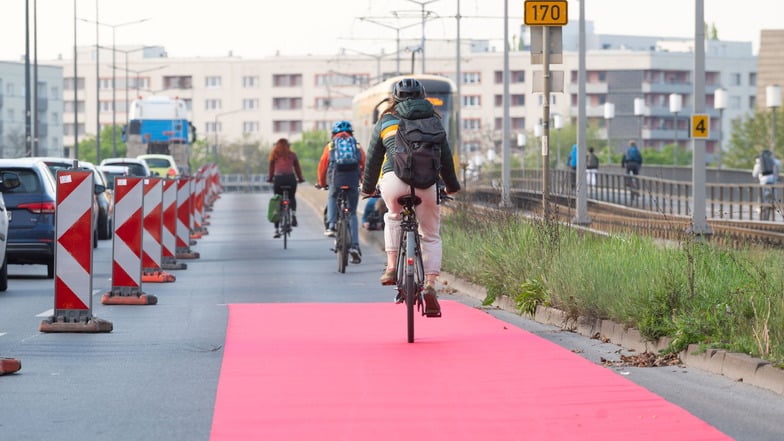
155,375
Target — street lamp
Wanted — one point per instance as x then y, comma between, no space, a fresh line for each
397,39
639,111
676,104
720,103
609,114
114,74
424,17
773,99
521,139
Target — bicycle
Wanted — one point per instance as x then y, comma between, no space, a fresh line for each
633,185
410,268
285,215
343,229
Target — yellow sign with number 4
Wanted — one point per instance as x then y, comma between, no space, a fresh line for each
700,126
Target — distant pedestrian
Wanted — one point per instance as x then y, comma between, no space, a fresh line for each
571,162
591,167
632,159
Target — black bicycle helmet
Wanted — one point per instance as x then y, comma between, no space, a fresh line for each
342,126
406,89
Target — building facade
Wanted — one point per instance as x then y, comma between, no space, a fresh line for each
46,128
234,99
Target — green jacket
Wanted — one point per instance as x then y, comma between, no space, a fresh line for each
382,146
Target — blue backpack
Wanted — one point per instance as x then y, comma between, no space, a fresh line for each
345,152
633,155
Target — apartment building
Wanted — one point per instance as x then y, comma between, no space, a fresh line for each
46,131
235,99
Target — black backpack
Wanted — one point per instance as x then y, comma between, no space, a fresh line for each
417,158
766,163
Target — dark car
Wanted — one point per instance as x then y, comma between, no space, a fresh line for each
31,207
8,181
102,206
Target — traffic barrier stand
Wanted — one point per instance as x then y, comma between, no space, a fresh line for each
127,245
73,256
169,230
196,231
183,249
9,365
152,231
198,219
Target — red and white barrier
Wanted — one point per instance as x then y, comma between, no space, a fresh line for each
152,232
74,256
9,365
127,245
184,220
169,231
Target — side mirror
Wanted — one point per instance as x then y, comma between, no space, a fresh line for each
8,181
99,188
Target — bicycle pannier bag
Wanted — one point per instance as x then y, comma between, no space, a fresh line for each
417,159
273,209
346,152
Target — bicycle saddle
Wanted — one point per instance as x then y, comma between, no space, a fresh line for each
409,199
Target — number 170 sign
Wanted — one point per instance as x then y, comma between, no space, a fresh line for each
546,13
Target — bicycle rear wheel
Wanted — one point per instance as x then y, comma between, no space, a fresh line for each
410,284
342,238
286,227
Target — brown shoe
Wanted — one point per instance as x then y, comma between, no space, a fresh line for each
432,308
389,277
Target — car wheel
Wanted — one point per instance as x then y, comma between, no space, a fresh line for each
50,269
4,276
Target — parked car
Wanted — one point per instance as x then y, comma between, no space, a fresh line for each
102,209
8,181
163,165
31,208
113,171
136,167
105,201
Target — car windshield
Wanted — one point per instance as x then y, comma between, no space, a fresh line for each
28,182
157,162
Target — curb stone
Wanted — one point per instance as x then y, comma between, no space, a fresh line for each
738,367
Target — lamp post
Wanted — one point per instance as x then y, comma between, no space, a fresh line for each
521,139
397,38
676,104
376,57
773,99
720,103
114,70
609,114
639,111
424,18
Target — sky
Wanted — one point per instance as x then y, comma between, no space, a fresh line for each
255,29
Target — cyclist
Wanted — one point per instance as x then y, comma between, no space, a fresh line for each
409,101
766,169
284,170
334,172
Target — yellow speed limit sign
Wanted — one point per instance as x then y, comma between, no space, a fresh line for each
700,126
546,13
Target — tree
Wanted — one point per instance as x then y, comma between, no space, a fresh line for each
749,137
309,150
87,151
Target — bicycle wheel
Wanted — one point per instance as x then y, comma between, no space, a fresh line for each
286,227
410,283
342,238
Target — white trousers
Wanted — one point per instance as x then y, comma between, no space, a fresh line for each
428,215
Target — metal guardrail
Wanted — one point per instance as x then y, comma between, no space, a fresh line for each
730,201
245,183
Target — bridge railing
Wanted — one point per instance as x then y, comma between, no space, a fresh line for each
245,183
727,201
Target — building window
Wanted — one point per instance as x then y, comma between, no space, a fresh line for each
106,106
322,125
517,123
139,83
515,76
287,80
472,78
211,82
471,101
287,103
250,126
516,100
212,127
287,126
735,79
177,82
250,103
68,83
105,83
212,104
753,79
472,123
68,106
250,82
341,79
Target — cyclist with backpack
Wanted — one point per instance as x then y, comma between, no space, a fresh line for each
410,114
342,163
284,170
766,169
632,159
